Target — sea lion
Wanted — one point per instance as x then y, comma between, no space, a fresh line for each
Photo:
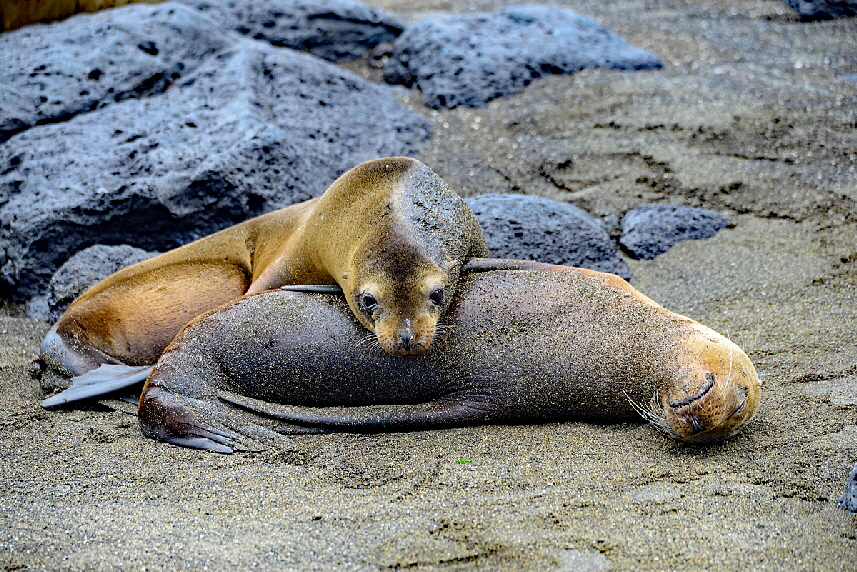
390,233
17,13
518,346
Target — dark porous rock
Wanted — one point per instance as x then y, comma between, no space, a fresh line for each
471,59
52,72
811,10
848,500
649,230
534,228
79,272
253,129
334,29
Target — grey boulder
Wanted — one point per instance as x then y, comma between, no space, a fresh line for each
810,10
253,129
534,228
650,230
333,29
458,59
53,72
78,273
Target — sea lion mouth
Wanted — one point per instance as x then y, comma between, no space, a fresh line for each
743,404
689,399
407,345
399,345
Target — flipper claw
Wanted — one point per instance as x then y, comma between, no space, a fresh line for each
199,424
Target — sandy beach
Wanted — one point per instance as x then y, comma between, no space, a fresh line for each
754,115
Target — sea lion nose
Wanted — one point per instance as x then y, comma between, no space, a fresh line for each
406,334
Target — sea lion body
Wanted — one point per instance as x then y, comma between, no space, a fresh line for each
389,231
518,346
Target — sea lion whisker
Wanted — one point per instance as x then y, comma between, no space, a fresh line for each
636,406
735,401
368,338
371,344
442,330
651,413
732,392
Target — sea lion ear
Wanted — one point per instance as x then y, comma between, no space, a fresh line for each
452,266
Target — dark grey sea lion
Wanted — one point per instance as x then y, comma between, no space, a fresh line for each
517,346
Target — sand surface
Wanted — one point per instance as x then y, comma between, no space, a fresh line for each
748,118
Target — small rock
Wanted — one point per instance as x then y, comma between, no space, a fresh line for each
848,500
380,55
79,272
53,72
571,560
811,10
534,228
649,230
254,129
460,59
333,29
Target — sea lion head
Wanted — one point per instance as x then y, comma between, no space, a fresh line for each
714,392
401,297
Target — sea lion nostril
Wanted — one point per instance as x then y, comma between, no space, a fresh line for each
696,424
706,387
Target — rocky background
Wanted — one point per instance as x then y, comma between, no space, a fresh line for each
606,137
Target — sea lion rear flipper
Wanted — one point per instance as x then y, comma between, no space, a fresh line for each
369,417
488,264
198,424
103,380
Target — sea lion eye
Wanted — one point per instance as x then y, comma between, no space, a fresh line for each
368,301
437,296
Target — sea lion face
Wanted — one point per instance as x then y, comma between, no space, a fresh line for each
403,314
716,392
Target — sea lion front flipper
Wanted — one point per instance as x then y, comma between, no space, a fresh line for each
368,417
488,264
103,380
317,288
198,424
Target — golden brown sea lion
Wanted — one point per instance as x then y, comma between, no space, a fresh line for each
519,346
389,232
17,13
